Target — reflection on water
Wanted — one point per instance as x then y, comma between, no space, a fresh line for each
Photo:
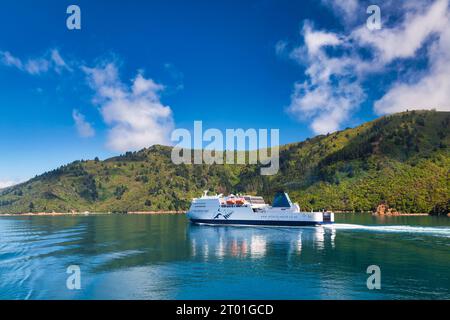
253,242
165,257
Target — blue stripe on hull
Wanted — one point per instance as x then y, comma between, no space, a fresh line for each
256,222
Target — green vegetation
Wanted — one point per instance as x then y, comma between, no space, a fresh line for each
402,160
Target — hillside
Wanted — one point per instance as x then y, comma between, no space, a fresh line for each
402,160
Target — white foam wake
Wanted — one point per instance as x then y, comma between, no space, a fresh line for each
437,231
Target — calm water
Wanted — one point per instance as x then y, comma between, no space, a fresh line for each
164,257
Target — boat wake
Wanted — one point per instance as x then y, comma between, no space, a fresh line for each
435,231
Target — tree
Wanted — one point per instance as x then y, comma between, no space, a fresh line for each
441,209
120,190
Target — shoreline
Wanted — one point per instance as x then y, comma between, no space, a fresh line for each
156,212
30,214
394,214
401,214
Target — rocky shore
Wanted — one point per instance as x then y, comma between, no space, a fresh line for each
384,210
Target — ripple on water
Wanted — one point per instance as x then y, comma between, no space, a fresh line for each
164,257
434,231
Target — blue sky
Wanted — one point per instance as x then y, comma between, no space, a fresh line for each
298,66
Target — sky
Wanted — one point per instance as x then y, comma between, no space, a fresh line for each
137,70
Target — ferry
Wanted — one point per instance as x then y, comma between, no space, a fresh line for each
252,210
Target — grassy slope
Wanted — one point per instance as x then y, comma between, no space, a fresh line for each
403,159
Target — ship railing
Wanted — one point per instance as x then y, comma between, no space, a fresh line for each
224,205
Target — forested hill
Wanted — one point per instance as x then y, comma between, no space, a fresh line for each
402,160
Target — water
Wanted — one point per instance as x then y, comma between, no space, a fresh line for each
164,257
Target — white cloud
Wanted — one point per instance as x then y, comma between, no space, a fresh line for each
51,60
37,66
7,183
142,86
316,40
280,47
328,106
334,79
135,114
58,62
9,60
346,9
404,40
330,91
84,128
430,90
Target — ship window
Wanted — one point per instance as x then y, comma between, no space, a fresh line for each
256,200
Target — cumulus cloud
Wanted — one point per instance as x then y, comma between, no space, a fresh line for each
337,67
51,60
134,112
84,128
404,40
429,89
330,91
316,40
